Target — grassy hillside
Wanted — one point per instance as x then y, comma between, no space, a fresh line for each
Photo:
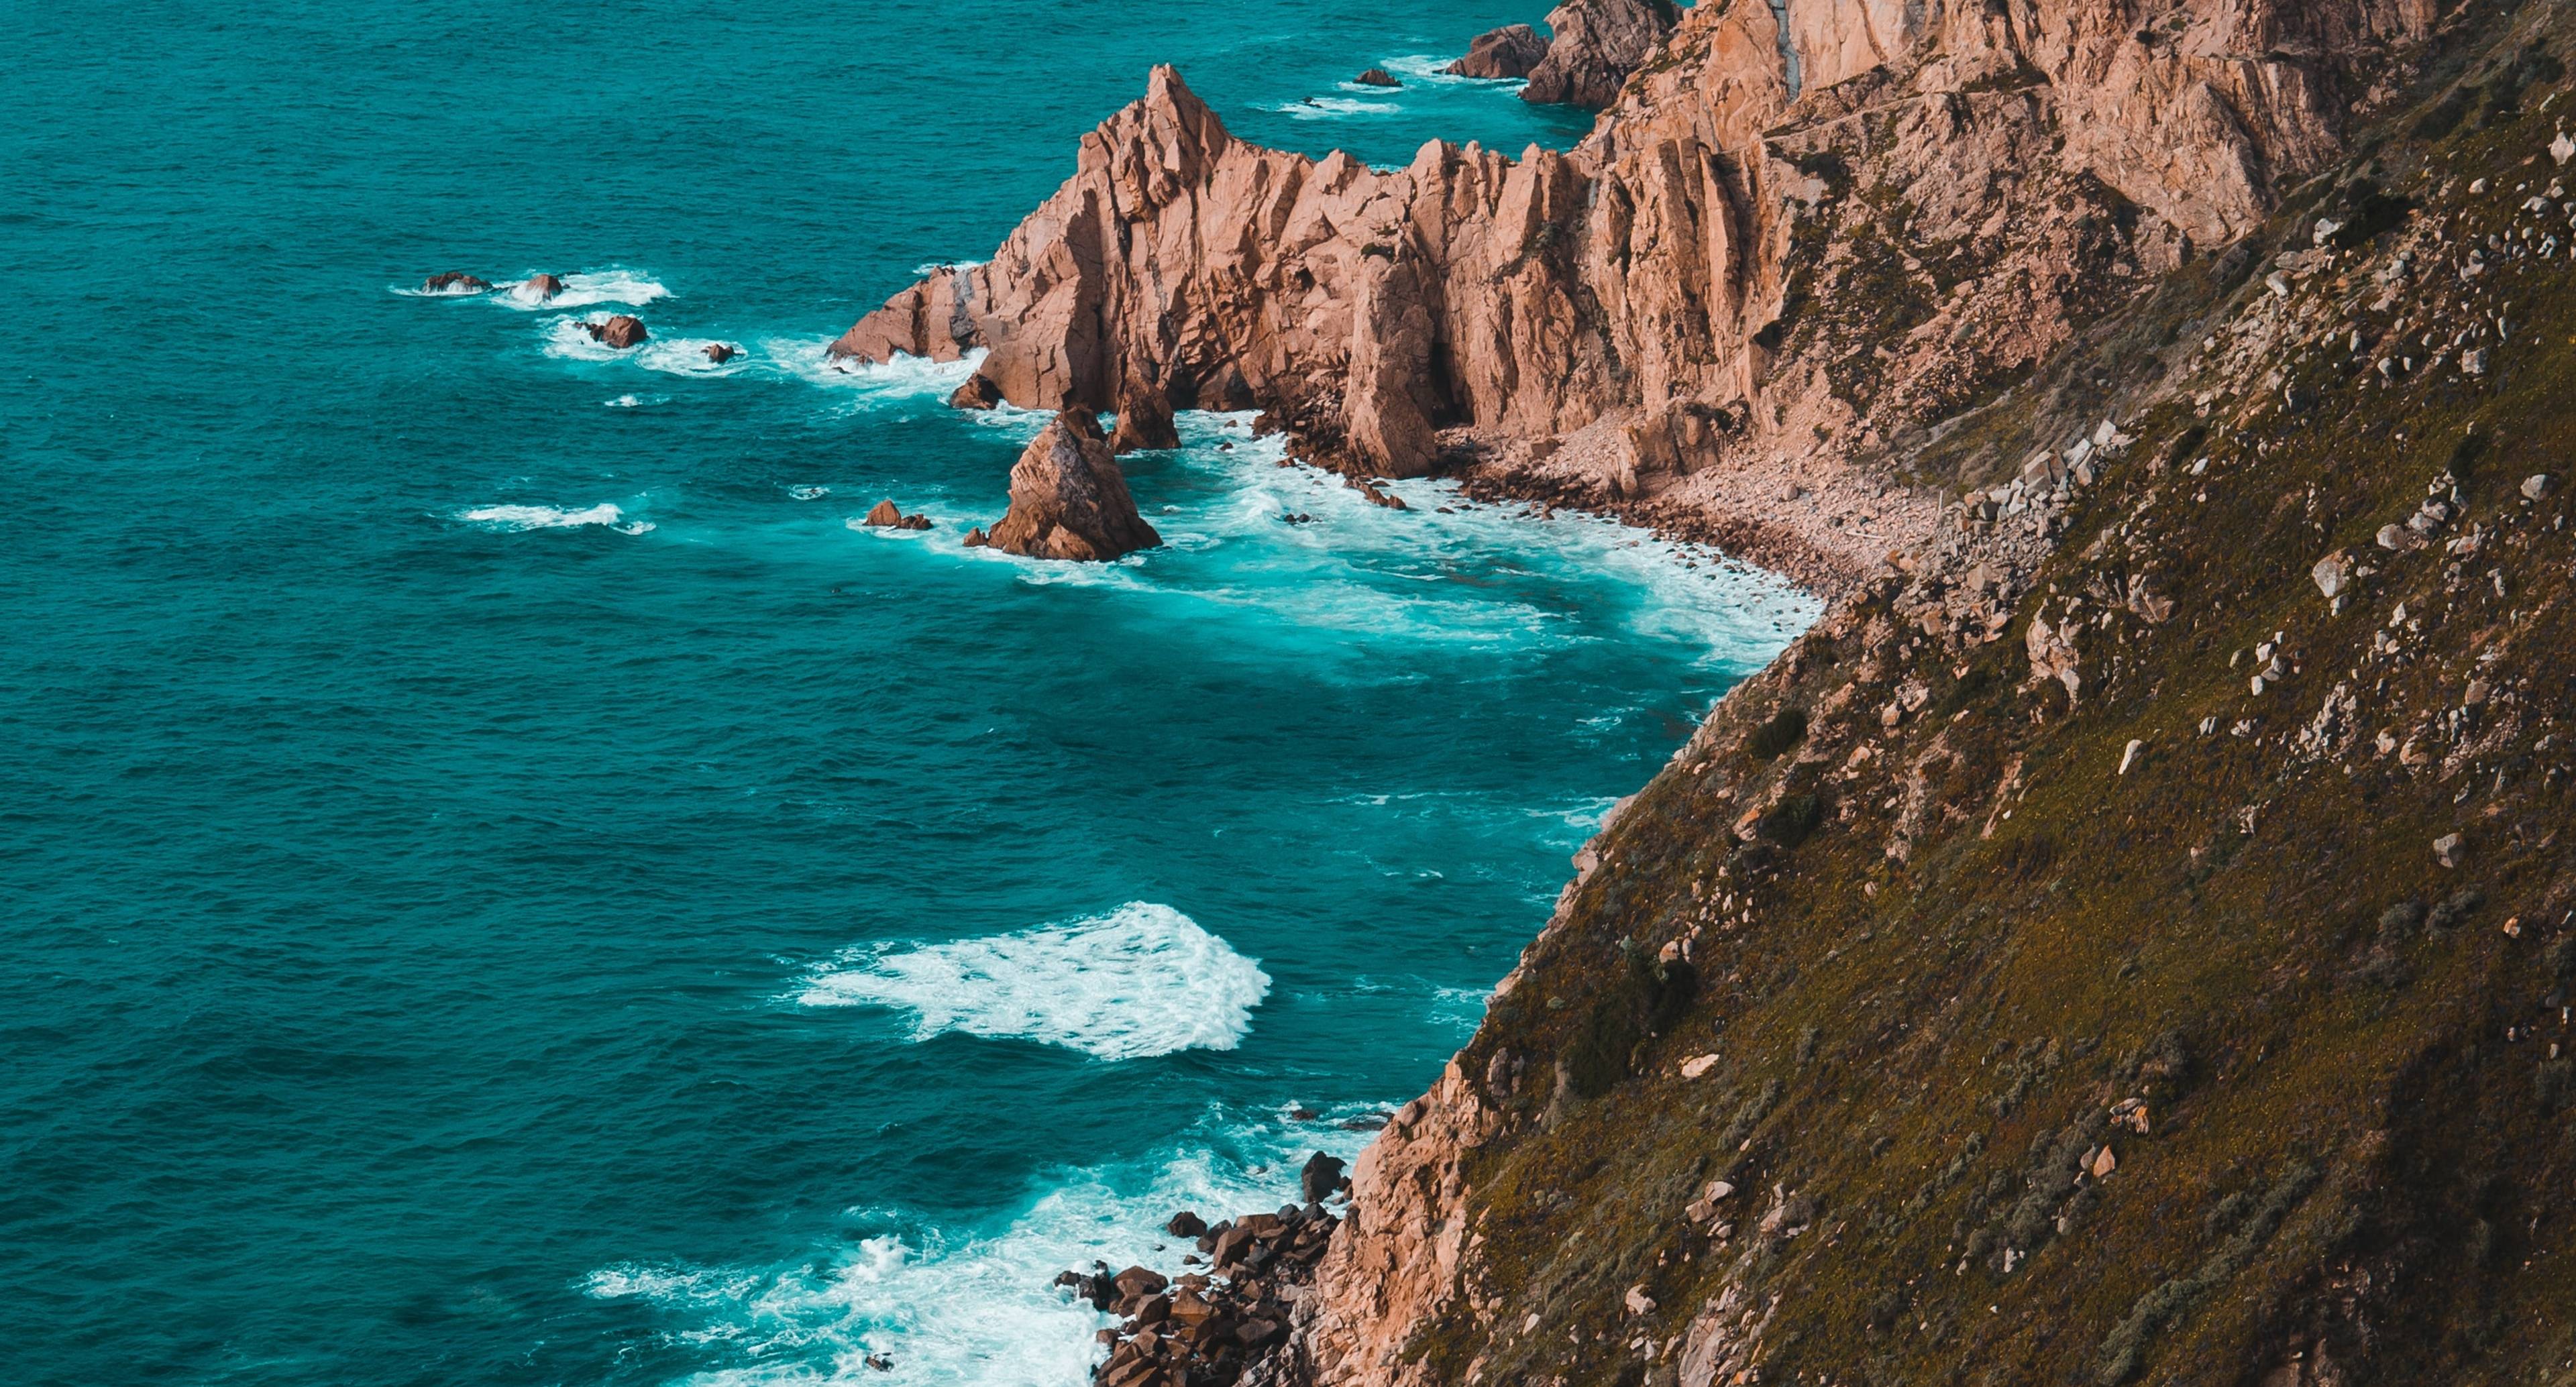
1947,952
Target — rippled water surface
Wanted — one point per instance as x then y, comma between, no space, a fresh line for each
502,882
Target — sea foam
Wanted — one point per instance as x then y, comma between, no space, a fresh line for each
584,289
970,1306
1142,980
553,518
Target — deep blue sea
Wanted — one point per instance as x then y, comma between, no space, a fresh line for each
502,883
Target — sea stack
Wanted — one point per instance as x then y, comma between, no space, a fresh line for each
1068,498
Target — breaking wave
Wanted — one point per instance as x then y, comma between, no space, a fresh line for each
512,518
1142,980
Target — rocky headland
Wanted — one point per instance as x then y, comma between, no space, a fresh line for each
2131,936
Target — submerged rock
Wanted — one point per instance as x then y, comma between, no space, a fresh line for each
1511,51
455,282
1068,498
621,330
722,352
541,287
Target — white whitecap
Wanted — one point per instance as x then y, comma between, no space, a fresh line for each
1434,69
514,518
970,1306
907,377
1334,107
809,493
569,339
585,289
635,401
1142,980
935,266
687,356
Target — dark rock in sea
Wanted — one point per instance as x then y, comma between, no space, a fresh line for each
1320,1177
979,392
885,515
621,330
1185,1225
913,522
1144,420
1377,77
722,352
1511,51
880,1362
455,282
542,287
976,538
1068,498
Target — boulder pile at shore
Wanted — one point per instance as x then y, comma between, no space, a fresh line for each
1205,1328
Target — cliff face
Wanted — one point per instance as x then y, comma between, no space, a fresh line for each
2132,936
1799,244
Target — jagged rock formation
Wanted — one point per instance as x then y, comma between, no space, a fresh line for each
1798,249
1511,51
1595,45
1068,498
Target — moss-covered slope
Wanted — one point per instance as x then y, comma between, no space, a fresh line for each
2147,959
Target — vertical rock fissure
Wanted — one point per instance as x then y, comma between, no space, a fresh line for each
1788,46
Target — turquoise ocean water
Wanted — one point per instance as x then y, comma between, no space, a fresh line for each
502,884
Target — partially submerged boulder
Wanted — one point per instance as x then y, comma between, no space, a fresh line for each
541,287
1068,498
1377,77
979,392
1510,51
620,330
455,282
722,352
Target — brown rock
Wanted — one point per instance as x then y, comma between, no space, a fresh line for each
1144,420
542,287
455,282
976,538
722,352
621,330
979,392
1377,77
1511,51
884,515
1068,498
1596,44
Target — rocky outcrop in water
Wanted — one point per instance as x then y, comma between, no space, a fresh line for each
1596,44
455,282
618,330
540,287
1784,252
1377,77
1511,51
1068,498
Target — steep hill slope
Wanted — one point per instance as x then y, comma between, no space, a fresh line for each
2130,938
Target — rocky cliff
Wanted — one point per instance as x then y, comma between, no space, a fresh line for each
2131,937
1803,236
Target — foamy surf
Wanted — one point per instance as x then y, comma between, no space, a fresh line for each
514,518
1335,107
585,289
970,1306
687,356
1142,980
907,378
1433,69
